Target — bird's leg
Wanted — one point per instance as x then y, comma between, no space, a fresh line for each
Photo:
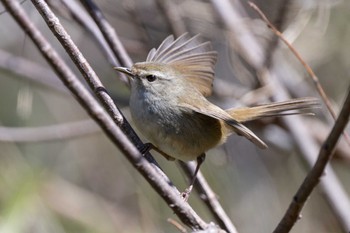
149,146
187,192
146,148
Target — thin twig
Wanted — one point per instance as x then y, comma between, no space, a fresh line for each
315,79
282,14
330,185
172,16
319,130
83,18
209,198
177,225
4,11
48,133
168,192
241,36
32,71
314,176
109,33
89,74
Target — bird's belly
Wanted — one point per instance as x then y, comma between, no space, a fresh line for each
181,135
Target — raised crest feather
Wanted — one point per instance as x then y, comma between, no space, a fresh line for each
193,58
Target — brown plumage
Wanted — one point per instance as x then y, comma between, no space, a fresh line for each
169,106
285,108
166,109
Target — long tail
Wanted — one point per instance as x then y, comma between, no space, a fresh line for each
290,107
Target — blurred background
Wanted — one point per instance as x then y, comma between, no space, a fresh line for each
60,173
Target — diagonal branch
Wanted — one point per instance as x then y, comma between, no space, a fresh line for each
114,133
88,73
83,18
314,176
108,32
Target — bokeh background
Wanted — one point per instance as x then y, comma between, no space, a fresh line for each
60,173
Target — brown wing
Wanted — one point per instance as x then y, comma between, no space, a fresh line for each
189,56
217,113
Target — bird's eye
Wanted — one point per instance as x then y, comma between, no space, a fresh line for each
151,78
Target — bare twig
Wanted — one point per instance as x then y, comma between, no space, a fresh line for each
242,37
279,22
32,71
109,34
89,74
1,12
313,177
177,225
319,130
209,198
48,133
315,79
168,192
172,16
83,18
330,185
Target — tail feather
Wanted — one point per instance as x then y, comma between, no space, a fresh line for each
290,107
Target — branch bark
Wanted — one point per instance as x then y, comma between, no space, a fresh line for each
314,176
114,133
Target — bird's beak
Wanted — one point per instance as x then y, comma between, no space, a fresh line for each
124,70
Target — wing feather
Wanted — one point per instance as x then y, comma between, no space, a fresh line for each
192,58
151,54
163,46
217,113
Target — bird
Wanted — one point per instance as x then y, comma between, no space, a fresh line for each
169,104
